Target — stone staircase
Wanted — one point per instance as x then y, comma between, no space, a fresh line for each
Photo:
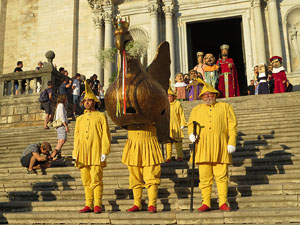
264,183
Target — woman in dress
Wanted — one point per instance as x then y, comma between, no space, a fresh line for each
199,66
61,114
262,79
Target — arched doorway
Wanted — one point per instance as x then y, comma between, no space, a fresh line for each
207,36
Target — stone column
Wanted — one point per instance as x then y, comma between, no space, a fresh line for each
12,87
35,85
169,12
3,83
154,10
274,28
27,86
98,22
19,90
108,42
259,32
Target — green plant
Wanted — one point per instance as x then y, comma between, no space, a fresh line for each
137,48
107,55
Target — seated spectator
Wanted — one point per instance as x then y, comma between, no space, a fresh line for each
40,65
251,88
32,159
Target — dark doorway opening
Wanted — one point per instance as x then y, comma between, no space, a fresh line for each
208,36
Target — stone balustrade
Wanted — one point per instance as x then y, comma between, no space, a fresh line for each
19,93
29,82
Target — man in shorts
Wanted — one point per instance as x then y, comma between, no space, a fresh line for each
32,159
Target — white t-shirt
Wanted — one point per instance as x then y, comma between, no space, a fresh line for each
76,90
61,113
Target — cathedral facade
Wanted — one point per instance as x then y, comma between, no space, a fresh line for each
78,30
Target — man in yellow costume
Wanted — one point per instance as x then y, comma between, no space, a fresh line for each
143,157
177,123
91,147
215,142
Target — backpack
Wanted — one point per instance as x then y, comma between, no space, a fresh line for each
44,97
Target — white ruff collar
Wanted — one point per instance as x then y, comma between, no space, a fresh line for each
277,70
180,84
262,75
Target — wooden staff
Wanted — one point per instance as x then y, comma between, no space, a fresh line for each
193,166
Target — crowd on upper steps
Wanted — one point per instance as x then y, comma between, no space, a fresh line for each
223,76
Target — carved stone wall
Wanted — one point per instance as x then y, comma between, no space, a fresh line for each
293,31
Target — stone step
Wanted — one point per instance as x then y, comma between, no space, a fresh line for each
163,204
65,192
246,216
274,128
170,178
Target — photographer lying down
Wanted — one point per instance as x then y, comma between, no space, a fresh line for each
37,156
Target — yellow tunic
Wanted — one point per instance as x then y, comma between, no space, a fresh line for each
218,129
91,139
142,147
177,120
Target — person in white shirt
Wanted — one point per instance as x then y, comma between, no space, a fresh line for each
101,96
61,114
76,93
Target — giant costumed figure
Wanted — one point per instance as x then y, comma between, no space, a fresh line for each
278,73
215,142
137,101
210,70
199,66
228,78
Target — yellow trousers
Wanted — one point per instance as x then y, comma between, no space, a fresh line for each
178,147
206,173
91,177
148,177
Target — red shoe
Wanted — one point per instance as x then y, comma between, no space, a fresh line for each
168,161
152,209
97,209
85,209
225,207
134,208
179,159
203,208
